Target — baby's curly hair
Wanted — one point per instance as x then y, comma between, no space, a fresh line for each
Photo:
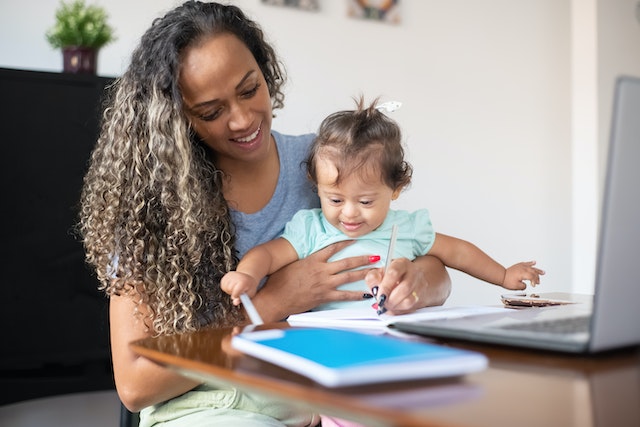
153,218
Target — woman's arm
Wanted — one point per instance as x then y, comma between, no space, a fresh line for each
139,382
309,282
436,282
312,281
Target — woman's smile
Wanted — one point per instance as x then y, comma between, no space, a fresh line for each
248,138
250,142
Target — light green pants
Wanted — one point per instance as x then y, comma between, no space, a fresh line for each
206,406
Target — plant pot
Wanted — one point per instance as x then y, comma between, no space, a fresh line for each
79,60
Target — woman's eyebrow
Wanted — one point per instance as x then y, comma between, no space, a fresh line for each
213,101
244,79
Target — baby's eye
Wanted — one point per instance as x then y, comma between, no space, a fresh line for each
366,202
335,201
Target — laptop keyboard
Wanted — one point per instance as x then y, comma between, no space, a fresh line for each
555,326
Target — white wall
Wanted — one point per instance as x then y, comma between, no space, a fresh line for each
605,44
487,115
618,53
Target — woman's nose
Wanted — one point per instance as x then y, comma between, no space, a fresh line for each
240,117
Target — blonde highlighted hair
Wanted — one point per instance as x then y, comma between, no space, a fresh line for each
153,219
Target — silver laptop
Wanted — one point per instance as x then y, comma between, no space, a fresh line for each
611,318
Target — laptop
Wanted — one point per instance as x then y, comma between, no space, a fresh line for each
611,317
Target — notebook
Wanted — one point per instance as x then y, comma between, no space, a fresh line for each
336,357
612,319
366,318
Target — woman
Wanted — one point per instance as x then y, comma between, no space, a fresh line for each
185,177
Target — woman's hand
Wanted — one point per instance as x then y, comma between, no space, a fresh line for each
408,286
309,282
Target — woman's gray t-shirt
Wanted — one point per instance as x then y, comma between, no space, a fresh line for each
293,192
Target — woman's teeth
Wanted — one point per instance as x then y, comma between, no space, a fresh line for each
250,137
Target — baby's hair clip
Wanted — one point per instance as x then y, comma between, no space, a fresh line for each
389,107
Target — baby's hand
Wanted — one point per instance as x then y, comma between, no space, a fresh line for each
236,283
517,273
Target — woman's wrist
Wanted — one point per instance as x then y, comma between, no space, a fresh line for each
270,307
437,280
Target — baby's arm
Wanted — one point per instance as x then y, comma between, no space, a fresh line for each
257,263
467,257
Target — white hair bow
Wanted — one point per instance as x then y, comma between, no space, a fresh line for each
389,107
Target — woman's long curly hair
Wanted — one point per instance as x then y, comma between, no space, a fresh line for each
153,218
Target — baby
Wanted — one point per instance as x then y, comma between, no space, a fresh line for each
357,164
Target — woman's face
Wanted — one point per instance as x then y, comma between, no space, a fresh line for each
226,99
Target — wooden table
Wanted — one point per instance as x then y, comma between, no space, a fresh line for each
520,387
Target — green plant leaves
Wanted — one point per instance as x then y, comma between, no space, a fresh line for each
80,25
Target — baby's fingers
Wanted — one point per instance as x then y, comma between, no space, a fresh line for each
527,271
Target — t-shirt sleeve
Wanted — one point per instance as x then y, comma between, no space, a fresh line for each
424,234
299,231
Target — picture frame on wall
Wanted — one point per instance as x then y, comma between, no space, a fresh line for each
387,11
307,5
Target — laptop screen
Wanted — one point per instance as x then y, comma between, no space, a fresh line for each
617,288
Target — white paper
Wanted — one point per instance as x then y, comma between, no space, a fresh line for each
367,318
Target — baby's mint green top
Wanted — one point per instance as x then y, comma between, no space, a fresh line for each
309,231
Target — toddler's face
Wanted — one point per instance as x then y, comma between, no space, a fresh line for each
358,205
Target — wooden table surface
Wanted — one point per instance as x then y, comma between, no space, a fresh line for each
520,387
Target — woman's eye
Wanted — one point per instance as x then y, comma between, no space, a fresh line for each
207,117
251,92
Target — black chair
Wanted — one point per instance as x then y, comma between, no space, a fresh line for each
128,418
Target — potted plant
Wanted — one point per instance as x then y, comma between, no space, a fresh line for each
80,31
